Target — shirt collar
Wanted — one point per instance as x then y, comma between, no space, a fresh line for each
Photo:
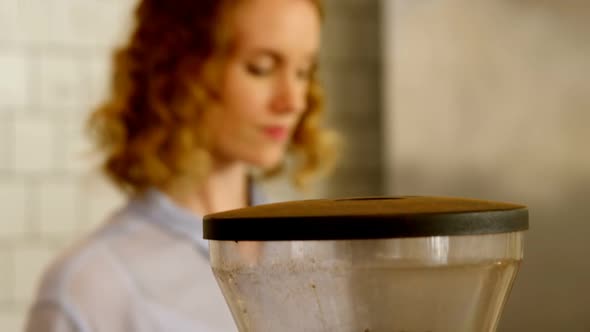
162,211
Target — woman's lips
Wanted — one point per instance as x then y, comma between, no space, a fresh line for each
276,133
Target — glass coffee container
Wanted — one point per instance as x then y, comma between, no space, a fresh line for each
411,264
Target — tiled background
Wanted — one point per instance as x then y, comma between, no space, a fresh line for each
54,60
53,66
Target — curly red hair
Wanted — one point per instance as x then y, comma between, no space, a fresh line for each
163,81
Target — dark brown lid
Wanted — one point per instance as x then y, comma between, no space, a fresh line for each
365,218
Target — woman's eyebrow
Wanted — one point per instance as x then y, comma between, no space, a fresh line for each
261,51
311,58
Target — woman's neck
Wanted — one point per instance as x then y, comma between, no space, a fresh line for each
225,188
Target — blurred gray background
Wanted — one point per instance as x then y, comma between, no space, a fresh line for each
491,99
486,99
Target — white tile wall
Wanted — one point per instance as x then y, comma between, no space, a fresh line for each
100,198
5,142
54,60
14,196
12,320
14,69
75,153
61,82
5,278
89,23
97,76
8,20
34,144
34,20
29,259
59,207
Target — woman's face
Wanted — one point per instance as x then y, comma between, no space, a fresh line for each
265,82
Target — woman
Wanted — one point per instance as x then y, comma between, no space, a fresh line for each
204,92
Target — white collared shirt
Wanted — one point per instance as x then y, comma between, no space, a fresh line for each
146,269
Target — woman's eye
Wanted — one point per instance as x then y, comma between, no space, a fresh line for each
260,70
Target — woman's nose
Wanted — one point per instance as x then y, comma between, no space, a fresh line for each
290,95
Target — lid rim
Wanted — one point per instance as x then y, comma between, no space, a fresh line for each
289,228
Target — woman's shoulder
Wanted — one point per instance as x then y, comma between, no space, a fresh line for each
83,268
84,282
